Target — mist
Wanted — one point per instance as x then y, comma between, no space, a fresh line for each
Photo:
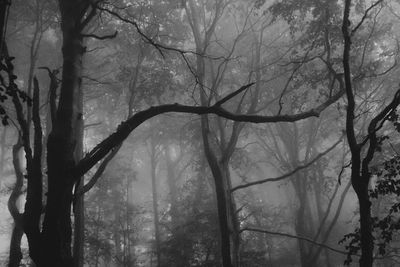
232,133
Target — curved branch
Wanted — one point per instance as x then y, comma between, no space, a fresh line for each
126,127
99,172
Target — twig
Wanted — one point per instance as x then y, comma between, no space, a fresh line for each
365,16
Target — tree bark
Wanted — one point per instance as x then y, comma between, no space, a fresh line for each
63,140
15,255
359,179
79,207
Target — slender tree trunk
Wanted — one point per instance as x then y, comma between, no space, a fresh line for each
173,191
300,226
15,255
4,6
3,149
117,236
155,201
360,175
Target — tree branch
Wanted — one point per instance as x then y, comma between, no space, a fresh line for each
155,44
365,16
103,37
37,147
52,92
287,175
126,127
232,95
372,129
258,230
351,136
99,172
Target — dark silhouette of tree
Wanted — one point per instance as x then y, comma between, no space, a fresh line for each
50,241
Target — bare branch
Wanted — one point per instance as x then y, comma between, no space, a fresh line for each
99,172
287,175
374,127
126,127
52,92
37,146
252,229
151,41
103,37
365,16
232,95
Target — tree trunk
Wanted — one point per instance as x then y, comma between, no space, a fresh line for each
15,244
173,191
3,149
15,255
367,245
300,224
79,208
225,206
153,166
62,142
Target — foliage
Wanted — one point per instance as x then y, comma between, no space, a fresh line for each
387,224
9,88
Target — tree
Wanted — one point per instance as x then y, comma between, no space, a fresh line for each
50,245
360,169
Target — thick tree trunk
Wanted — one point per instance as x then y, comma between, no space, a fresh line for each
360,185
33,204
62,142
79,208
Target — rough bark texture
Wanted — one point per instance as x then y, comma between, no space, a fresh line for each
63,140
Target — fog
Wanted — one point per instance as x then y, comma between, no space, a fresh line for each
233,133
